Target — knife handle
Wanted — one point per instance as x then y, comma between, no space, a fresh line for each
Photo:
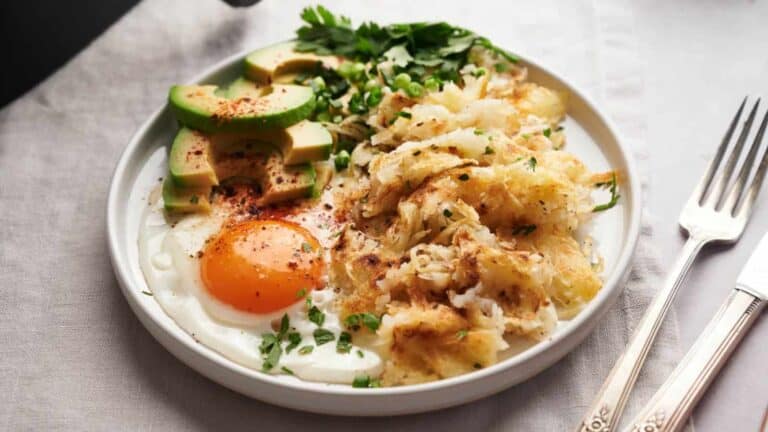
669,408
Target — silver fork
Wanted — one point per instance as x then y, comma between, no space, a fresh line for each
715,212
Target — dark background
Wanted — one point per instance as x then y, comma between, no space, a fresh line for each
40,36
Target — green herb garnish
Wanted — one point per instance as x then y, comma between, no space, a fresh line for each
316,316
306,349
367,319
341,161
489,150
270,348
613,187
547,132
403,114
524,229
301,293
464,177
306,247
461,334
364,381
294,339
447,213
422,49
323,336
286,370
532,162
344,344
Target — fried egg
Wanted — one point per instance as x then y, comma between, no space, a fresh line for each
229,277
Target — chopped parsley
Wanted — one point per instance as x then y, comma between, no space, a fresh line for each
547,132
524,229
367,319
612,186
306,247
360,354
294,339
365,381
306,349
344,344
479,132
464,177
316,316
489,150
532,162
461,334
447,213
323,336
301,293
403,114
352,321
271,350
285,323
286,370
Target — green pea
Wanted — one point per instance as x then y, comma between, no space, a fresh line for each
402,80
414,89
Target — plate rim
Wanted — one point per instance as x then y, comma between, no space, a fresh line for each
581,326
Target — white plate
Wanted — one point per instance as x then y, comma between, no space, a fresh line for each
591,136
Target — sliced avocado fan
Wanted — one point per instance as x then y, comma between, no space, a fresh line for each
199,161
203,107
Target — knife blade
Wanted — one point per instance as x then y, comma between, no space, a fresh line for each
754,276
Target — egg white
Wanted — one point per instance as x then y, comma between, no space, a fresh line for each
168,259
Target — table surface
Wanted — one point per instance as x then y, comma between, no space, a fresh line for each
700,59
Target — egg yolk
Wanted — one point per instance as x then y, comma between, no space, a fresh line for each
262,266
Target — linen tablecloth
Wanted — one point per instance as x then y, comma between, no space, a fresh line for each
72,354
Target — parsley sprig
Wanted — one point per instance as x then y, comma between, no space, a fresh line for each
437,49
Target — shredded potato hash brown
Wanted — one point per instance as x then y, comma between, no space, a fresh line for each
462,224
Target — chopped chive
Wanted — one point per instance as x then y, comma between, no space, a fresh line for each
306,349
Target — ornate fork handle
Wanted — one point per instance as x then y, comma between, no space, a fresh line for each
672,404
607,407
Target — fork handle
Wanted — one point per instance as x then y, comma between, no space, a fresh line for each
607,407
673,402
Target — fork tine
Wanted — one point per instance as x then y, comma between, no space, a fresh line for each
701,189
716,193
738,186
745,208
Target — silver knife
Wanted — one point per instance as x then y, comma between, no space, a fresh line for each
669,408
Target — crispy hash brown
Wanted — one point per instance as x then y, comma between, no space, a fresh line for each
462,217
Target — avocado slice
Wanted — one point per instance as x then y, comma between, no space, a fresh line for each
324,172
202,107
185,200
190,161
243,87
233,157
303,142
286,182
266,64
